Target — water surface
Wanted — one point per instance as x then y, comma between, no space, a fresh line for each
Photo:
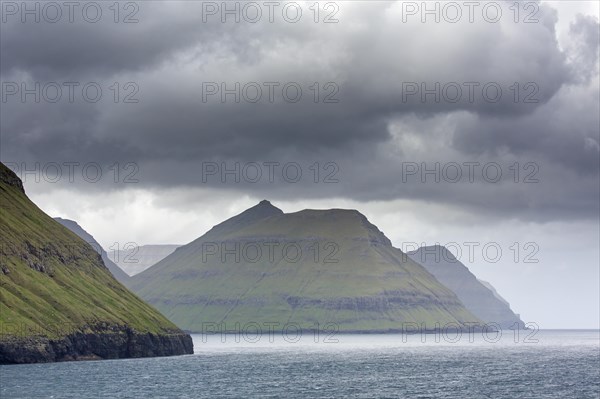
561,364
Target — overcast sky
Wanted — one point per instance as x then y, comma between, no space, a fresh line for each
457,131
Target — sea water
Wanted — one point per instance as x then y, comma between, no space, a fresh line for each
530,364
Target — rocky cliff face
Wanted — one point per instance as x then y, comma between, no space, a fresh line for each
58,301
9,178
116,343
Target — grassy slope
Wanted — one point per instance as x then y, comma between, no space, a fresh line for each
74,292
373,286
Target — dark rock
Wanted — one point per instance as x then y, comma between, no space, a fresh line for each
113,343
9,177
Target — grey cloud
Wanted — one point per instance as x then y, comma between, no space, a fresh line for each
153,33
369,55
563,132
583,52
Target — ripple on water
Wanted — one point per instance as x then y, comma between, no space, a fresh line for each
562,365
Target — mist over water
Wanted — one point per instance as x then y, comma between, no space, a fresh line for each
561,364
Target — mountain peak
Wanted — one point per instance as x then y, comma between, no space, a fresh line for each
265,207
262,210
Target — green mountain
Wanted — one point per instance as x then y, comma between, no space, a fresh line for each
479,297
115,270
311,268
58,301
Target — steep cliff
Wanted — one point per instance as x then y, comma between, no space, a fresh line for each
58,301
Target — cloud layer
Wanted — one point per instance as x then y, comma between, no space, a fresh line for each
388,78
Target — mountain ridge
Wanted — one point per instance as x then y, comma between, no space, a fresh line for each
346,273
259,211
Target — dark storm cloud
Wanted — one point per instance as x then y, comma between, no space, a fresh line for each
79,47
547,132
369,60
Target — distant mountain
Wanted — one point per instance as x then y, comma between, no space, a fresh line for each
309,268
479,297
136,259
496,294
116,271
58,301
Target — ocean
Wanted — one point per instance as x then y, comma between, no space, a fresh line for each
544,364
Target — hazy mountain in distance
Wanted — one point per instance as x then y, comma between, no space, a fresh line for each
496,294
135,259
87,237
311,268
482,301
58,301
